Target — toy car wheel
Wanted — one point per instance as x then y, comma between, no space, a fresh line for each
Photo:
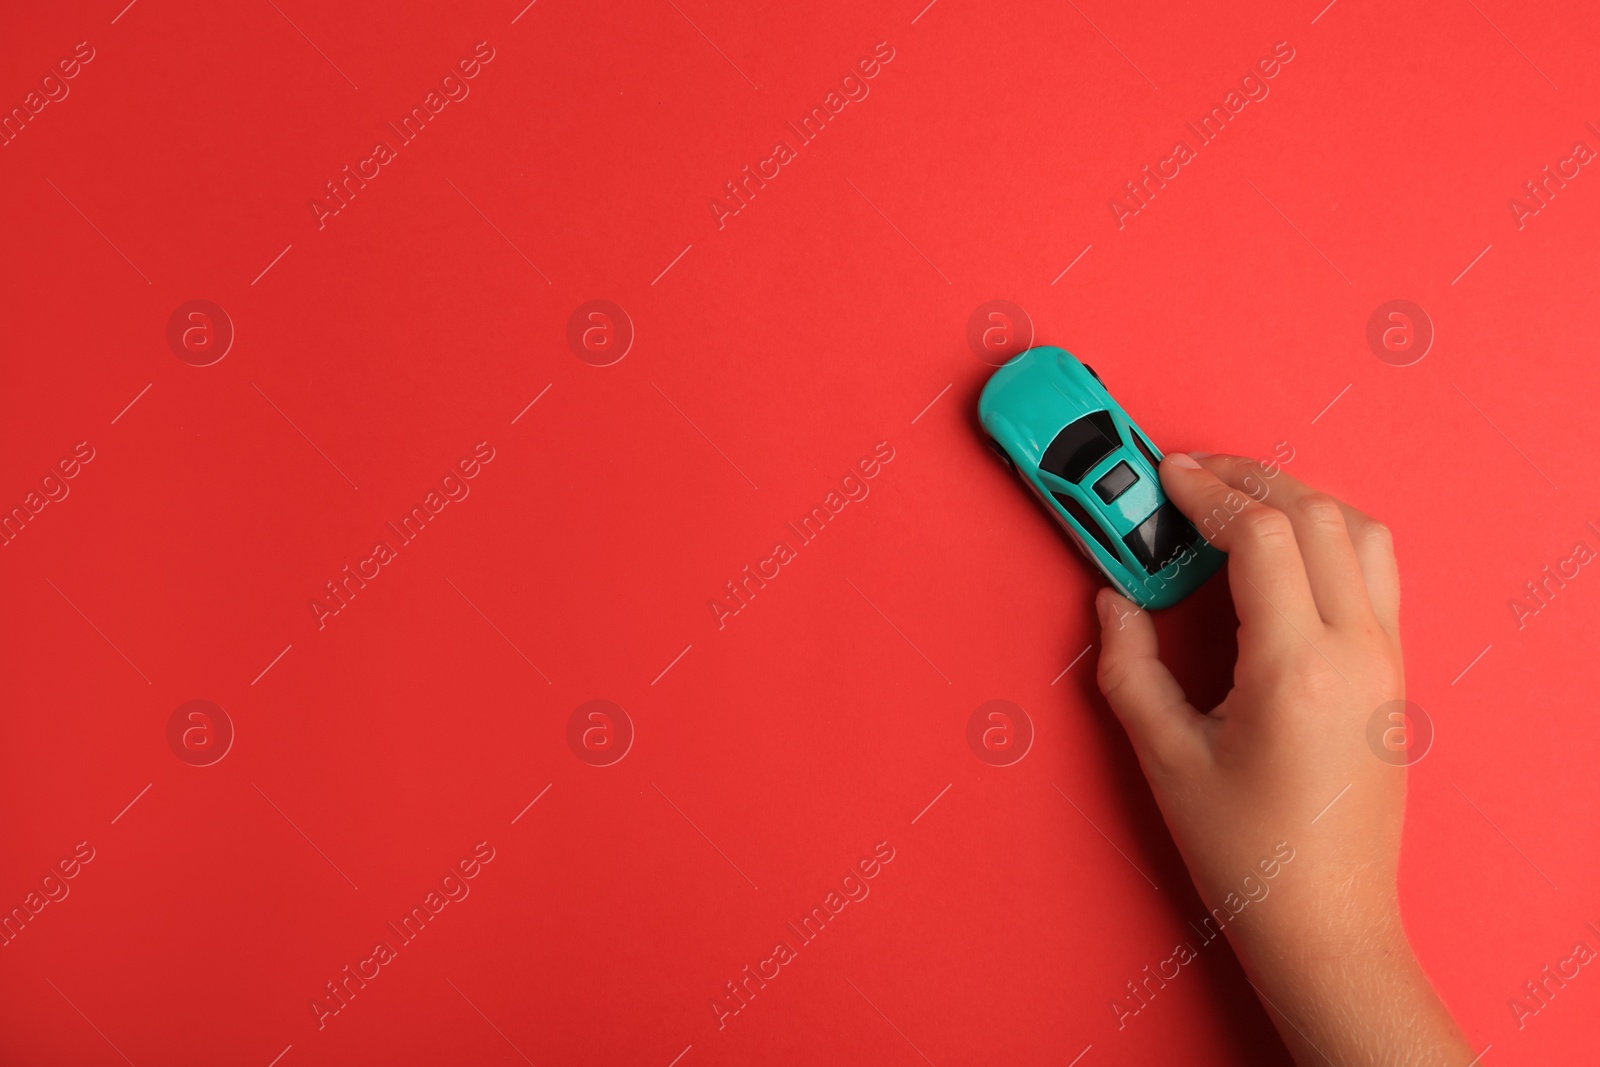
1091,371
1005,457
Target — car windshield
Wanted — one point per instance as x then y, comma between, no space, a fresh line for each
1080,446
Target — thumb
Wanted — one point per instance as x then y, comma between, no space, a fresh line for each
1147,699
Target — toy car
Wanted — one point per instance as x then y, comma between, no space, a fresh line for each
1052,421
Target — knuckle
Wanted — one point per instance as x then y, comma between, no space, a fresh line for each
1217,512
1252,467
1376,536
1267,527
1111,674
1236,470
1320,509
1258,489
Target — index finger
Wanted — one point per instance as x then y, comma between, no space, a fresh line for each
1373,544
1266,573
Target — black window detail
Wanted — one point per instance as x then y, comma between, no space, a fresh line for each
1115,482
1080,446
1087,521
1144,446
1156,541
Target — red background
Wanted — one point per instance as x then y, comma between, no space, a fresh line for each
769,357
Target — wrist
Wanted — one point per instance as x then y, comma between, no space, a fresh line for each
1323,938
1364,970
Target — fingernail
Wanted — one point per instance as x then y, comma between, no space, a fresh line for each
1199,455
1102,605
1183,460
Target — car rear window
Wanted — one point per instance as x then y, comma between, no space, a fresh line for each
1081,445
1087,521
1156,541
1115,482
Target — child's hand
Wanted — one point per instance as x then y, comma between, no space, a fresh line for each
1283,764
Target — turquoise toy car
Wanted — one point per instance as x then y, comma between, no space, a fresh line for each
1052,421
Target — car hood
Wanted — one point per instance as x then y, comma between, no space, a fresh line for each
1032,397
